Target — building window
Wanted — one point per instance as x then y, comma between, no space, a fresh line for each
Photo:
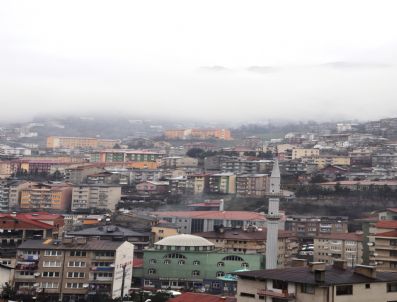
52,253
167,262
49,285
51,274
51,264
104,254
216,285
181,262
244,265
76,275
78,253
174,256
196,273
220,264
76,264
343,290
196,262
307,289
392,287
233,258
278,284
248,295
368,285
220,274
74,285
151,271
152,261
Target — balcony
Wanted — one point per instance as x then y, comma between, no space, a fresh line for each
102,268
385,247
273,294
101,280
23,266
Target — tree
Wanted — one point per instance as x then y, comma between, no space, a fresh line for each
9,292
318,178
195,153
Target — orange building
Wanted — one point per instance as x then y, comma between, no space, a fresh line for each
79,142
143,165
46,196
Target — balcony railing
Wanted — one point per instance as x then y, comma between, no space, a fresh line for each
282,296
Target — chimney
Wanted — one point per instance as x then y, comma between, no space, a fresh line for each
313,266
298,262
366,271
319,275
340,264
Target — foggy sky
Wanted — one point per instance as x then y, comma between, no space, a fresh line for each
226,60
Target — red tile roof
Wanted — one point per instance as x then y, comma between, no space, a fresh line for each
387,234
386,224
198,297
34,220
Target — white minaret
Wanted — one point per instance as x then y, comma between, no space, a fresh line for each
273,218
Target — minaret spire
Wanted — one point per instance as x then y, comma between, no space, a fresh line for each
273,218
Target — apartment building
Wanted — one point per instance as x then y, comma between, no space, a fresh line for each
178,162
8,151
153,187
197,183
86,197
10,194
6,169
304,152
340,246
73,268
140,240
252,185
246,166
46,196
205,221
77,175
54,142
311,226
318,283
18,227
223,183
324,161
252,240
384,160
126,155
383,251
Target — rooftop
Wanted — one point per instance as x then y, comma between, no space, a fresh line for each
341,236
108,230
225,215
199,297
333,276
184,240
260,234
386,224
88,245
